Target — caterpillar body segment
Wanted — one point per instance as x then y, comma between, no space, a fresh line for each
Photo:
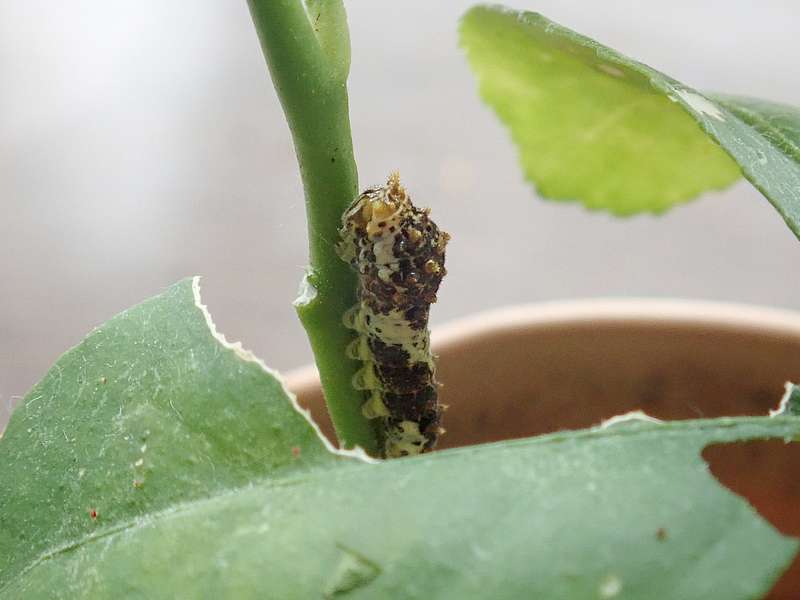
398,253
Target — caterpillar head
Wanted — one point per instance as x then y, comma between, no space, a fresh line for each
376,209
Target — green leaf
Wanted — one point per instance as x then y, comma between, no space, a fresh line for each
150,411
764,138
238,496
596,126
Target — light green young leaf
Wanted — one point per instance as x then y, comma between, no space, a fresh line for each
596,126
206,482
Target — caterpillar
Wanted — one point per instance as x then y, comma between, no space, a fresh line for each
398,254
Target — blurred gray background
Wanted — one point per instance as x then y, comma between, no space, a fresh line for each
141,142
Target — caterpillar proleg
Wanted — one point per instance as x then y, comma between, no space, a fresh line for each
398,253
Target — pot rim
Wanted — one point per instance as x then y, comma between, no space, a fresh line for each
633,311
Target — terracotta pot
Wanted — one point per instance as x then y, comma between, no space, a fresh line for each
528,370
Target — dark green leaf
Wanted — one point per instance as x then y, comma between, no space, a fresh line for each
150,411
206,482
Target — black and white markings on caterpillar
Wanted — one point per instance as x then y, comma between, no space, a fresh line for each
398,253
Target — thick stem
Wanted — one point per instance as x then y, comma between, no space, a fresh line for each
310,75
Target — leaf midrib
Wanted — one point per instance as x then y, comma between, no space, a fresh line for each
757,122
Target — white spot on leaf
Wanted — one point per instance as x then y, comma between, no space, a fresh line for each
610,586
306,292
611,70
701,105
479,552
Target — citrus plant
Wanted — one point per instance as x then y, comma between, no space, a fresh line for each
157,459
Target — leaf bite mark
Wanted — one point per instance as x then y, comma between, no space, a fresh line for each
353,571
235,347
789,405
763,473
248,356
628,418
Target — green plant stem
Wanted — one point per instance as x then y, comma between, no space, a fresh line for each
309,63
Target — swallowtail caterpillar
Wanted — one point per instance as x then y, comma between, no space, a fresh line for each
398,253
